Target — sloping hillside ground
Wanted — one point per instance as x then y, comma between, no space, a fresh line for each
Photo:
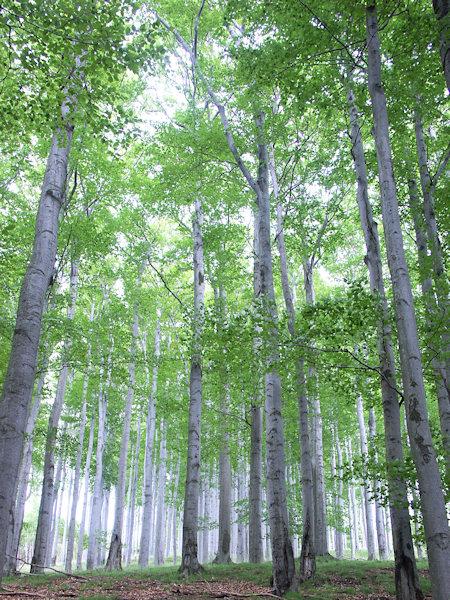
335,580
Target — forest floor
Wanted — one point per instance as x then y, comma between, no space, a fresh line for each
335,580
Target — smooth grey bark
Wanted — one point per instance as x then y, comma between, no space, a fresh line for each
20,376
60,484
368,492
241,496
175,514
147,490
379,516
114,560
284,576
307,555
158,557
432,499
443,21
439,366
97,491
340,495
77,473
25,467
256,552
223,550
406,575
318,467
132,512
41,544
189,558
87,469
206,520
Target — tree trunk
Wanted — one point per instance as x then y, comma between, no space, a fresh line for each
433,506
87,469
406,576
24,473
439,366
97,491
161,504
41,549
368,503
114,561
307,555
76,482
20,376
189,559
147,492
379,517
284,577
130,529
256,553
443,21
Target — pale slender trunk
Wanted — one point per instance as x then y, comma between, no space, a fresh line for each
76,482
284,577
189,559
147,492
114,561
318,467
41,548
132,509
158,557
175,514
58,503
21,372
368,503
87,469
240,547
206,521
97,491
406,575
340,496
307,556
66,519
379,517
223,550
432,499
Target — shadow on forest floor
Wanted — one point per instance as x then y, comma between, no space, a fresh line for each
335,580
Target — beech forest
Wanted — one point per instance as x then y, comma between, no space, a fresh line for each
224,325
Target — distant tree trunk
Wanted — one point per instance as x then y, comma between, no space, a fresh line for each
406,576
206,520
368,503
161,504
432,498
256,553
443,20
189,559
130,529
21,372
284,577
87,469
41,548
307,556
318,468
379,517
175,514
77,474
97,491
147,492
223,550
114,560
